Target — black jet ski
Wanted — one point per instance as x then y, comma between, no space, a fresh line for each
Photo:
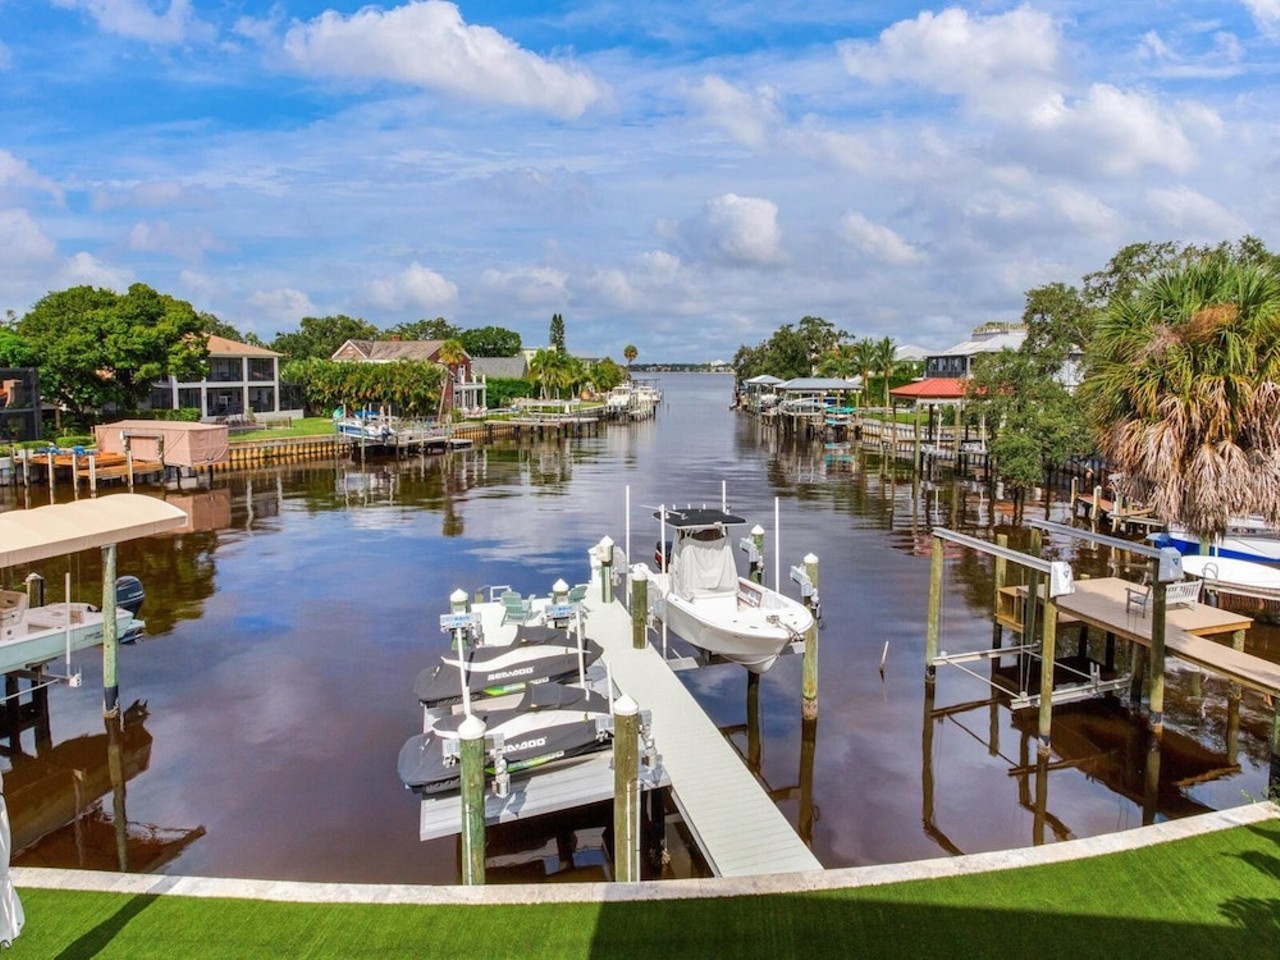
537,654
551,722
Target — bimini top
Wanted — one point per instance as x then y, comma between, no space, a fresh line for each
28,536
690,517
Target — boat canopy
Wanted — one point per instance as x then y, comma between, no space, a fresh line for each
28,536
693,517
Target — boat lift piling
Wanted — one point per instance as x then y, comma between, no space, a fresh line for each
110,635
471,741
639,607
626,790
807,578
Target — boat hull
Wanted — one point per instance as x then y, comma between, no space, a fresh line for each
500,670
1261,547
753,637
41,635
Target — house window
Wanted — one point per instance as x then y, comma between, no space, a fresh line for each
225,369
262,399
261,368
189,398
223,403
159,398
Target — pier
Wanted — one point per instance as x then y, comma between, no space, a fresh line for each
737,827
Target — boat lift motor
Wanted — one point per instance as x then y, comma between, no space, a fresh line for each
808,592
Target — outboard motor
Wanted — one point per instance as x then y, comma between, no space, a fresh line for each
129,594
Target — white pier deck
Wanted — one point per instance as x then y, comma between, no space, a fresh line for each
739,830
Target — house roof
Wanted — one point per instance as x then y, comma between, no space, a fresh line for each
990,342
909,351
222,347
502,368
765,379
821,383
932,388
384,350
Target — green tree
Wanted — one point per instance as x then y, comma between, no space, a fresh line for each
14,351
629,353
490,342
605,375
840,362
820,335
437,329
320,337
452,353
98,348
555,336
1183,384
210,324
410,387
883,353
552,371
865,358
1032,419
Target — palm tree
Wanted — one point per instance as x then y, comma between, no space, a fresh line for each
864,358
451,353
1184,387
840,362
883,352
629,353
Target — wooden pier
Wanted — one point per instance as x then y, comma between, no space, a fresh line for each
738,828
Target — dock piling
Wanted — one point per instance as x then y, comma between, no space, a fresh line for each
605,549
626,790
639,607
935,610
110,635
1048,649
757,562
471,737
1159,607
809,683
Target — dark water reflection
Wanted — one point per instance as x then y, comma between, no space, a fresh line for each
286,630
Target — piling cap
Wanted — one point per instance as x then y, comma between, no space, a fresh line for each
606,543
757,531
560,586
458,596
810,558
639,572
624,706
471,728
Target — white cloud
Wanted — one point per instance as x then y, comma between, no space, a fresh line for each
426,43
16,176
1266,14
197,286
1082,209
877,241
136,20
612,287
282,305
747,117
185,243
415,286
150,194
658,265
742,230
1193,214
534,286
22,240
999,64
84,269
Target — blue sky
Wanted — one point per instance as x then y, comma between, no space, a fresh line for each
682,176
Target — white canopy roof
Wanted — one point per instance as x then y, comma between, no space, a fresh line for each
28,536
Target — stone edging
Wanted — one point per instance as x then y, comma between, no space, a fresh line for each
836,879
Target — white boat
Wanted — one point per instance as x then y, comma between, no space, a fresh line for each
619,399
1247,538
34,635
367,426
703,600
1242,578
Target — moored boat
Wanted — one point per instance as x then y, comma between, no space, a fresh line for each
701,597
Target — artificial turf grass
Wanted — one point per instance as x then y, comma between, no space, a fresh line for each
1217,893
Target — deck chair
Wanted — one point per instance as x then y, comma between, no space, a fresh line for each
515,608
1138,595
578,592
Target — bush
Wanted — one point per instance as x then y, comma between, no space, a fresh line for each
74,440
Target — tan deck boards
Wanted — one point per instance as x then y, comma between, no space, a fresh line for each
1101,603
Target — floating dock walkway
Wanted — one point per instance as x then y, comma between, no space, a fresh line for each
739,830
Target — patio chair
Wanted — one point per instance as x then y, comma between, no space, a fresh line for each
578,592
515,608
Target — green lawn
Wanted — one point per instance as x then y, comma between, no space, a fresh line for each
1215,895
306,427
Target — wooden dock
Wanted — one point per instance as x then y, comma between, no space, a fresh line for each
1101,603
740,831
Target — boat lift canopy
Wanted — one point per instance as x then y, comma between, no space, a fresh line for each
28,536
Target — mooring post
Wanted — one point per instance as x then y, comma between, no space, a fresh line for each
1155,715
639,607
458,601
915,457
471,736
626,790
1001,573
753,722
52,478
110,634
1095,507
93,473
1273,782
35,590
757,565
935,610
809,683
1048,649
605,550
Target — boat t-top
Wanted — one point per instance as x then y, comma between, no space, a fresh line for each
698,593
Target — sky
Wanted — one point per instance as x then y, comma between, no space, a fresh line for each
682,176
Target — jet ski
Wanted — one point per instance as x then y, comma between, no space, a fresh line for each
551,722
538,653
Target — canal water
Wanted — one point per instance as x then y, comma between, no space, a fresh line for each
273,692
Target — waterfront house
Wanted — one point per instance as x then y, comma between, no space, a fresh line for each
240,380
464,390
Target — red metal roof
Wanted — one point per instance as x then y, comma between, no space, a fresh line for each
933,388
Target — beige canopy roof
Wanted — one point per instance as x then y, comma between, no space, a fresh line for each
27,536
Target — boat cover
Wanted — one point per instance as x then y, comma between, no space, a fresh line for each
703,568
